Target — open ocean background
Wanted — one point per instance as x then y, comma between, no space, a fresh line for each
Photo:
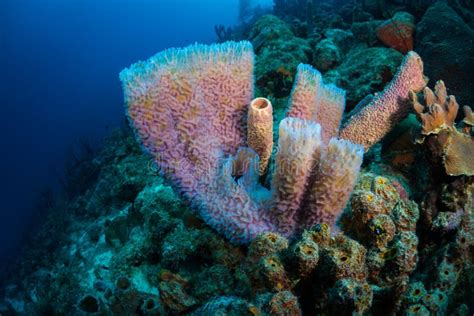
59,82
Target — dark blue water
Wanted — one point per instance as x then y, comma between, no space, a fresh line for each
59,81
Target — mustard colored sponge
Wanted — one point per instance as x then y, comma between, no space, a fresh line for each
260,130
373,121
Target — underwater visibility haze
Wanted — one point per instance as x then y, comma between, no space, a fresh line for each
279,157
60,64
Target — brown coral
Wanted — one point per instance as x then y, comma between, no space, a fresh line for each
468,116
439,111
173,294
437,118
468,121
458,155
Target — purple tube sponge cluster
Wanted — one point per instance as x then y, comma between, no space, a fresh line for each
188,108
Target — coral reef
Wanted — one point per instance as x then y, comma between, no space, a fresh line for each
330,51
171,262
314,16
366,32
365,71
279,52
213,219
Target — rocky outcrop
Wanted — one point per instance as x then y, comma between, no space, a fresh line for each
364,71
446,45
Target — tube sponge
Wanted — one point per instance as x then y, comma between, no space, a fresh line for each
260,130
337,162
372,122
313,100
335,180
188,108
178,97
299,149
229,205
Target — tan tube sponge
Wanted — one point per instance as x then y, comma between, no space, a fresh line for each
260,130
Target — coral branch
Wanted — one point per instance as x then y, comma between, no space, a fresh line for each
468,121
440,109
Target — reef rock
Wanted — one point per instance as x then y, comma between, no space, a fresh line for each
365,71
278,52
445,42
366,32
330,51
268,29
